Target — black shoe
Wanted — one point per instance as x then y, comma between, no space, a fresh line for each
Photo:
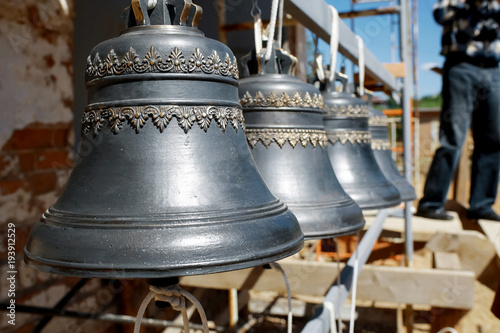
489,215
434,213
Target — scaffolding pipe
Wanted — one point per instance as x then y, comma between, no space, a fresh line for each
109,317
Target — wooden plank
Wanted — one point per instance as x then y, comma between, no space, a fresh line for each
472,247
423,229
492,231
273,303
442,317
444,288
447,260
304,277
397,69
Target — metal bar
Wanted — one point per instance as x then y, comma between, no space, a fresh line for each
250,25
369,1
115,318
60,305
338,293
406,39
315,15
407,58
369,12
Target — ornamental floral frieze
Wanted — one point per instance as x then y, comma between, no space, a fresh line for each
381,145
94,120
156,62
352,111
282,136
378,121
283,100
349,136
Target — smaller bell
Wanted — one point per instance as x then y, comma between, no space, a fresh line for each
381,147
349,148
284,121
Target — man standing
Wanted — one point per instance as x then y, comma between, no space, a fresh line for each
471,97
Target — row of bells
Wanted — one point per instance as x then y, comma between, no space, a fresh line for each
185,170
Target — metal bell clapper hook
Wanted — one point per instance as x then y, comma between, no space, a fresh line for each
174,12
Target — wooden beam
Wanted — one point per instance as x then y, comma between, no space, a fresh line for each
447,260
423,229
492,231
472,247
444,288
369,12
442,317
397,69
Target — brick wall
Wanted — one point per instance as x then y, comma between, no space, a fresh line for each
36,156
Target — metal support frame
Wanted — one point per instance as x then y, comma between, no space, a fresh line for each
316,16
369,12
407,57
107,317
338,294
60,305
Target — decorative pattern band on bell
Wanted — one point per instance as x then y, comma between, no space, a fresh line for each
284,121
349,149
381,147
169,187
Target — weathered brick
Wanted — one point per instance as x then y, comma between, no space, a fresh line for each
11,186
26,161
31,138
55,159
60,137
42,182
5,161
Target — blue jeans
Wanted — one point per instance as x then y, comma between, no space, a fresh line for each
471,97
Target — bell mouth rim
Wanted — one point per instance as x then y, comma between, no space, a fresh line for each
174,29
342,232
200,268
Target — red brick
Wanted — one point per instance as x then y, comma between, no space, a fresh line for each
42,182
27,161
11,186
60,137
55,159
4,161
31,138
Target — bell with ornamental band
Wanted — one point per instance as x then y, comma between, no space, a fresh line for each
349,148
285,131
381,147
169,187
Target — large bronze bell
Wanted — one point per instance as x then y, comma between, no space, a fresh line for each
349,148
284,119
169,187
381,147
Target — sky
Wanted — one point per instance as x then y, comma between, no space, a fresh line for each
376,33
